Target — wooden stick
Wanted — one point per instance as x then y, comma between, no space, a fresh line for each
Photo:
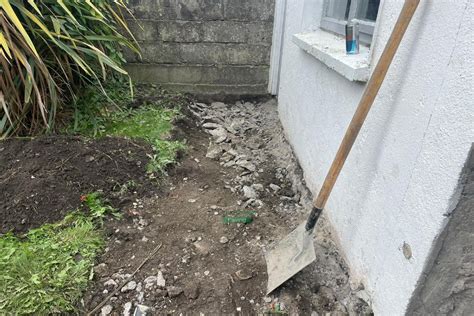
96,309
366,101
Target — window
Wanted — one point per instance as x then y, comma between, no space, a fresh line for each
336,13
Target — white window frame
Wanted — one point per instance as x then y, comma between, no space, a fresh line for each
366,28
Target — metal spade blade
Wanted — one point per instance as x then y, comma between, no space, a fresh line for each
288,256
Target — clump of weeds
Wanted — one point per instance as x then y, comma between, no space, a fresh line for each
46,270
149,116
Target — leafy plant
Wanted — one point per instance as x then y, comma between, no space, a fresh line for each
97,208
93,107
51,48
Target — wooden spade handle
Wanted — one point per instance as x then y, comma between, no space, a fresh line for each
363,108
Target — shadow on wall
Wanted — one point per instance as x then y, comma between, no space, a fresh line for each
446,285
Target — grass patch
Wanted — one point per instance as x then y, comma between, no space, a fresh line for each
47,270
152,124
151,119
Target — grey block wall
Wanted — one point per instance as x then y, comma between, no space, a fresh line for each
214,48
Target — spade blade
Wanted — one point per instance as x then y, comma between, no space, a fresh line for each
289,256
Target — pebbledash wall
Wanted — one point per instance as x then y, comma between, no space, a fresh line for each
400,182
207,47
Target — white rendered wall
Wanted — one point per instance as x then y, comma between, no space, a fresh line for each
401,176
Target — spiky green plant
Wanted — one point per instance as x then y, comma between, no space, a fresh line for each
49,49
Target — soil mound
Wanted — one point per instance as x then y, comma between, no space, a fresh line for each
42,179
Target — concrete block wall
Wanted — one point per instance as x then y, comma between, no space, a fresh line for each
213,48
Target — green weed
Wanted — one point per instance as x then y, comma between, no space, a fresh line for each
152,124
97,116
124,188
46,271
98,209
93,107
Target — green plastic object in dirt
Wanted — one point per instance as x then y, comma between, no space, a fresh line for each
244,217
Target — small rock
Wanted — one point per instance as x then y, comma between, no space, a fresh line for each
140,297
274,187
267,299
243,274
246,165
192,291
129,286
202,247
218,105
141,310
226,157
174,291
258,187
214,207
106,310
192,200
143,222
100,269
127,307
186,258
249,192
160,280
110,283
190,239
211,125
219,134
363,295
90,158
213,152
207,272
150,281
223,240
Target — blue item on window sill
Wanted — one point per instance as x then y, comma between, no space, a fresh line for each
352,38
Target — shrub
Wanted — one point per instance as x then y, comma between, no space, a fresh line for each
51,48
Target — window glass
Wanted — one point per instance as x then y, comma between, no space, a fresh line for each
338,10
367,10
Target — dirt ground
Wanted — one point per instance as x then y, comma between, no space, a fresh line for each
42,179
237,159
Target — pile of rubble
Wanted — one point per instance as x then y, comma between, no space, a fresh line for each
246,136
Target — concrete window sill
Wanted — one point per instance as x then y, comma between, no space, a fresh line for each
330,50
